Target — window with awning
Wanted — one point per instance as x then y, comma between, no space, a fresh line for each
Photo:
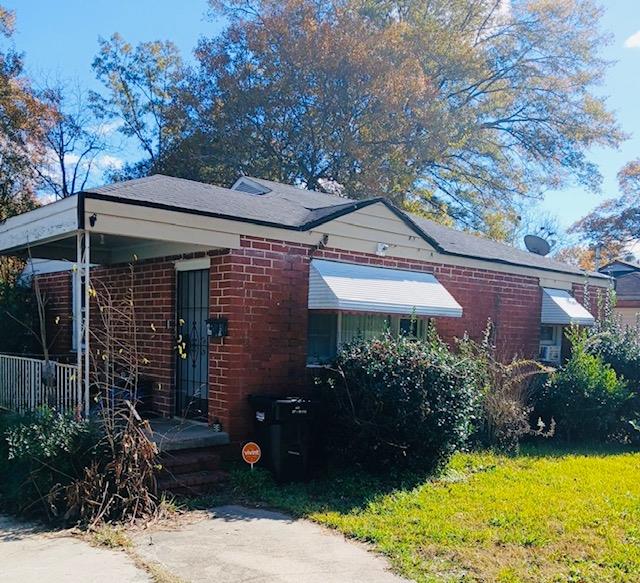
560,307
348,301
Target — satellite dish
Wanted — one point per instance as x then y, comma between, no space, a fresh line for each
537,245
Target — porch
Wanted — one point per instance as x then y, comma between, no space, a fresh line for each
85,237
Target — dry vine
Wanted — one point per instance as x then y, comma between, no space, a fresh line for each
120,483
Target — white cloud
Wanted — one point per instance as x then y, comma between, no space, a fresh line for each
108,162
633,42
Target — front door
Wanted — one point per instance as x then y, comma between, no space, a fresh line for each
192,378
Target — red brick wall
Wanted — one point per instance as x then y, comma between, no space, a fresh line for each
153,283
592,299
56,288
261,289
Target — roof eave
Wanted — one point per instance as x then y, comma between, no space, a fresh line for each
341,211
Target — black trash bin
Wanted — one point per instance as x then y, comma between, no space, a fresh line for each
283,429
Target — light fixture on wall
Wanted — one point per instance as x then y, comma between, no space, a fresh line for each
382,249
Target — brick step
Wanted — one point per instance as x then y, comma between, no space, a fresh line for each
192,483
189,461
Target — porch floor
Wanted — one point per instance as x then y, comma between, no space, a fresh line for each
177,434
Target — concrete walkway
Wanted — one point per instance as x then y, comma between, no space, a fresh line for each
241,544
27,554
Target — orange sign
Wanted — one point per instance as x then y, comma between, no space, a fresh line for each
251,453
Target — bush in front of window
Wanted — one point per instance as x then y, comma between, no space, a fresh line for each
586,397
619,346
395,400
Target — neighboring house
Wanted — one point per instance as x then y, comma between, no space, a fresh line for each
627,285
265,280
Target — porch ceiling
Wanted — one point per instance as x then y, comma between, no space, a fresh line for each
118,233
106,249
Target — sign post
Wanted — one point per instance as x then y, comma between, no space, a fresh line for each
251,453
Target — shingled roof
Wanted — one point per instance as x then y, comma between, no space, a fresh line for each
279,205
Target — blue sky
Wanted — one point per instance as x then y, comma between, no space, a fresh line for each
60,39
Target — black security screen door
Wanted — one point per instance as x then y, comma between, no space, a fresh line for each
192,382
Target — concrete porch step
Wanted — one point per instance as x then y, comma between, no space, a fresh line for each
193,483
187,461
176,434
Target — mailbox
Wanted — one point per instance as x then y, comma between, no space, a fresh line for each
217,327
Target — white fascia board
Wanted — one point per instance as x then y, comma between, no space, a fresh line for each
47,223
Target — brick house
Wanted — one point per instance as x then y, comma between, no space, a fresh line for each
265,280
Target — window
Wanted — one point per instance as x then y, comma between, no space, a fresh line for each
550,344
365,326
321,337
549,335
328,331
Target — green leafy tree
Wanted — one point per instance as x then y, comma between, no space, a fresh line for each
616,221
141,84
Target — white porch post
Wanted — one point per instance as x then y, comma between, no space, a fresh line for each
87,297
81,316
77,316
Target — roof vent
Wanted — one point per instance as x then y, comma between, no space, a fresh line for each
249,186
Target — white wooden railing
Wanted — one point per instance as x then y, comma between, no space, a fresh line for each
28,383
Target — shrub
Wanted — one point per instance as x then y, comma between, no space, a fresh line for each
397,400
68,470
41,453
506,389
618,345
586,397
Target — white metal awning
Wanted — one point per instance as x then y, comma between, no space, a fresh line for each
560,307
363,288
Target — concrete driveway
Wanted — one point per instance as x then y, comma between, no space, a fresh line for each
232,544
28,554
241,544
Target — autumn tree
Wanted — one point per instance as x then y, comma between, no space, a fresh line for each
24,120
584,256
616,222
141,84
461,106
23,123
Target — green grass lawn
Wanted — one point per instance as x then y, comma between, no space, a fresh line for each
542,516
